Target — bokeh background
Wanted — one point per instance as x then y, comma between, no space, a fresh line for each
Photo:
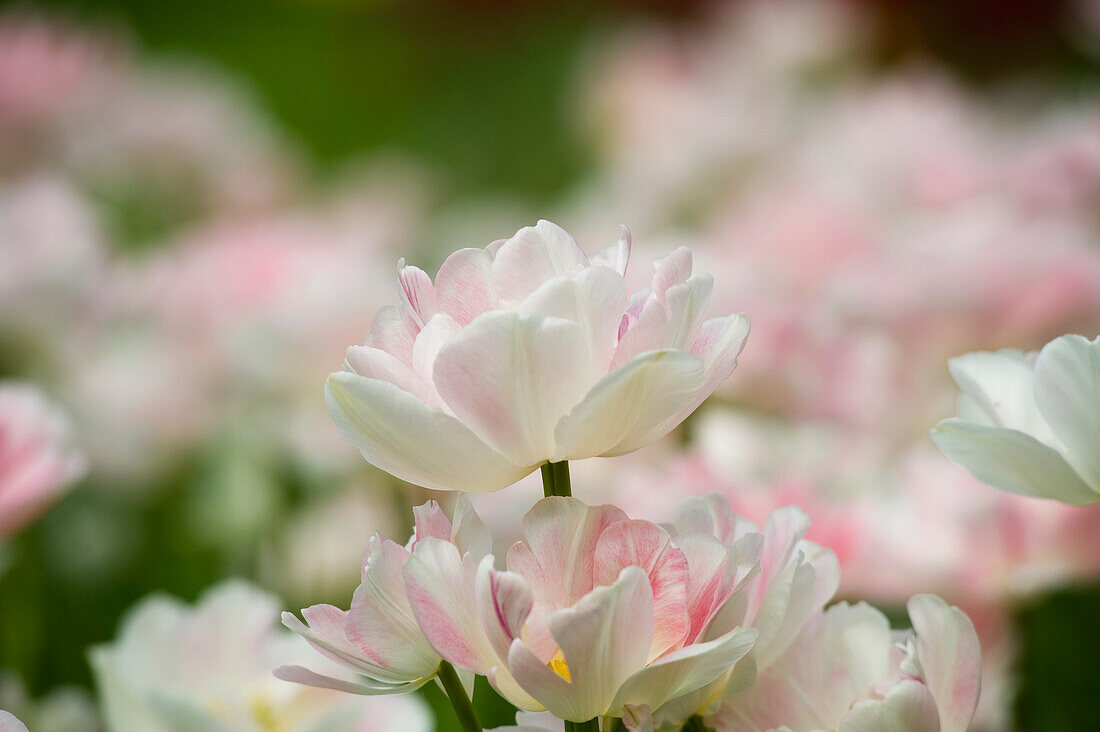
203,203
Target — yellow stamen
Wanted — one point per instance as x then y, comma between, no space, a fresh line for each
558,665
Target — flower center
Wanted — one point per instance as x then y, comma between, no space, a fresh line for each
558,665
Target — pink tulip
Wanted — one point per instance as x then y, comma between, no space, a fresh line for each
846,672
525,352
597,612
37,459
378,637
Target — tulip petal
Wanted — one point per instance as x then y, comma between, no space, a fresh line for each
646,545
631,406
381,622
302,675
615,256
604,639
595,300
998,389
908,707
505,601
1067,391
390,333
950,658
1011,461
557,559
532,256
404,436
685,670
374,363
463,284
440,585
510,379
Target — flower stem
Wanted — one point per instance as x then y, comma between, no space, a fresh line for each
695,724
612,724
592,725
555,480
464,710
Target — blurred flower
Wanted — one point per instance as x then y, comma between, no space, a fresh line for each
49,71
378,638
209,667
65,709
529,351
312,555
848,672
38,461
53,253
8,723
1027,423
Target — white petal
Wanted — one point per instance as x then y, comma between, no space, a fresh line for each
510,379
950,657
402,435
532,256
908,707
595,299
616,256
1011,461
998,386
685,670
1067,390
630,407
604,639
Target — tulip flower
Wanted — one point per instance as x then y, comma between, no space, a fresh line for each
37,459
379,638
847,672
597,613
529,352
1029,423
794,580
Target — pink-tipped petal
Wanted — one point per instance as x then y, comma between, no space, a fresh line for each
646,545
380,622
417,295
950,658
557,559
440,585
463,285
364,685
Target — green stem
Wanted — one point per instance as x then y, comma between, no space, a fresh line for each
592,725
555,480
695,724
464,710
612,724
